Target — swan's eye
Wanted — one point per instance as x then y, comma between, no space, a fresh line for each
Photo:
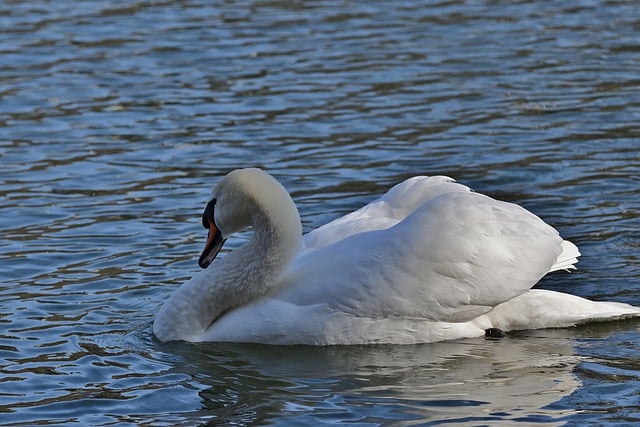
207,216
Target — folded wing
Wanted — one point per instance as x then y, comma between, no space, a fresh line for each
453,257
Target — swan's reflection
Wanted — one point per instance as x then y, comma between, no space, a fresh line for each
462,382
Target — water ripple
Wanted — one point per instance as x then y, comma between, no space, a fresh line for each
117,118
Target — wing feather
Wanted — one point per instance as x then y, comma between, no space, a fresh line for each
394,206
451,259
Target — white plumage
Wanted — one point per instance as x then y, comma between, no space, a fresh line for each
428,261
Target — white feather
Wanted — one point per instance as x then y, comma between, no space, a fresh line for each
428,261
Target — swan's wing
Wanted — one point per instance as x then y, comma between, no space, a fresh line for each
454,258
567,258
398,203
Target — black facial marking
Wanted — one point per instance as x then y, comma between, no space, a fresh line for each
208,214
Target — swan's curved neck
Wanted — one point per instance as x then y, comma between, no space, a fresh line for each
234,280
253,269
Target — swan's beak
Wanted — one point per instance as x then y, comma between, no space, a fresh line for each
212,247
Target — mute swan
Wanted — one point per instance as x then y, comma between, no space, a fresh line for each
429,261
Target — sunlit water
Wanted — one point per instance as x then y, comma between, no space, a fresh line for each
116,119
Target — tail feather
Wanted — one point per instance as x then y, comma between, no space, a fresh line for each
568,257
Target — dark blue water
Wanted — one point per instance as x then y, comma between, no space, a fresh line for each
116,119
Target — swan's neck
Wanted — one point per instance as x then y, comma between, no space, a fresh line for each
253,270
234,280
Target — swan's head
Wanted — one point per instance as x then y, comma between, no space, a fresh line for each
244,198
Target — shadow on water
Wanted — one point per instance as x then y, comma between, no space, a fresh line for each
521,378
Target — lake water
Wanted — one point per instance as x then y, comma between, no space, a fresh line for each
117,118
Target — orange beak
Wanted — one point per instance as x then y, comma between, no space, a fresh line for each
212,247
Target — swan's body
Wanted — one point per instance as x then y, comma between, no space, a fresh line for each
429,261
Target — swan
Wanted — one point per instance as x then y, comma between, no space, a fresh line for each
431,260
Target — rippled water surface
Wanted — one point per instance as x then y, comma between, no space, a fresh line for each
116,119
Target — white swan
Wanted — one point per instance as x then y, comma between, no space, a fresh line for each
429,261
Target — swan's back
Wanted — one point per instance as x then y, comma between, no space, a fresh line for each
398,203
454,257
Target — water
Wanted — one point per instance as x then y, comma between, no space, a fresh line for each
116,119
